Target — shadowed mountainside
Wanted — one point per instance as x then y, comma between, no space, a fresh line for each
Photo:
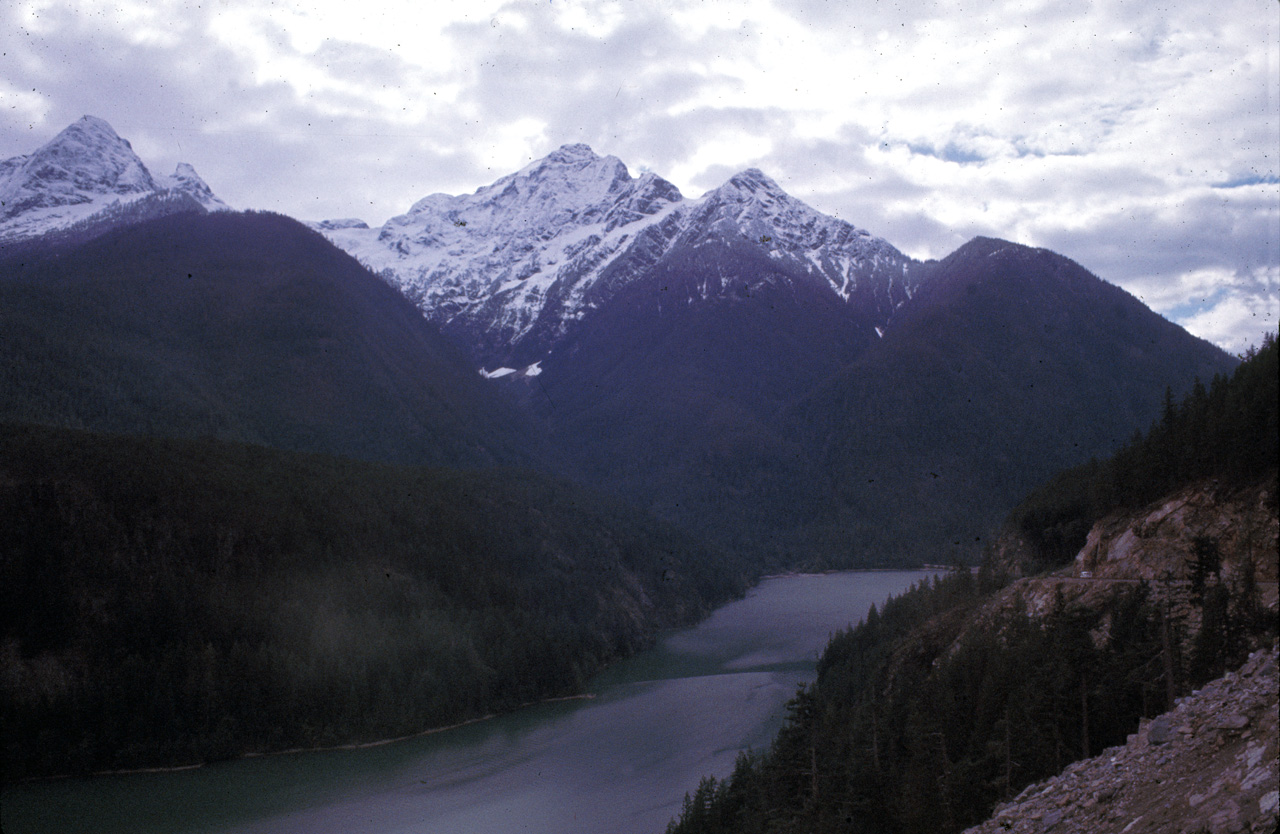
1008,365
246,327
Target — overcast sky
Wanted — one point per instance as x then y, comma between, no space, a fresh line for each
1137,138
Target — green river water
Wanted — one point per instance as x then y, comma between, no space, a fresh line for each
615,763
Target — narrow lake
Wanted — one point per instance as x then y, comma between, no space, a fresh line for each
619,762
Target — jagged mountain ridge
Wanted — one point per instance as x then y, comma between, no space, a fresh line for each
509,270
743,362
89,172
756,370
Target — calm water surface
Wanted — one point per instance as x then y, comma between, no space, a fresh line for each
617,763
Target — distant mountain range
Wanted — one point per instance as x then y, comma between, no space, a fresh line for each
741,364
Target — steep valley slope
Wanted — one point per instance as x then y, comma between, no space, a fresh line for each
1209,766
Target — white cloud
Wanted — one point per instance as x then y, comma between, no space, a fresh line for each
1238,316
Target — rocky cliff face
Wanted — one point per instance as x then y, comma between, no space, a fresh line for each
1158,541
1154,545
1209,765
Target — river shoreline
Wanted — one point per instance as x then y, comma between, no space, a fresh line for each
364,745
360,745
621,761
433,730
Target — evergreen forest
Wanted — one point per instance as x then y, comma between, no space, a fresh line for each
170,602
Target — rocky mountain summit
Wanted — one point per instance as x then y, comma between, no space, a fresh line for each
510,269
88,173
1209,766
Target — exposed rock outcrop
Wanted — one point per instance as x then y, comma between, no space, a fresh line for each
1155,545
1208,766
1157,542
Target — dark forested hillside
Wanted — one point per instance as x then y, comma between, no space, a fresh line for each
950,699
170,601
1009,365
1226,431
672,394
246,327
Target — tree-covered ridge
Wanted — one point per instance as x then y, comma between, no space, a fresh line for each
248,327
1228,431
945,701
1009,365
167,602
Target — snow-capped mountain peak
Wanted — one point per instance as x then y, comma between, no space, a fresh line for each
752,180
84,161
752,207
572,185
512,266
751,197
186,180
83,173
571,151
517,255
577,166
